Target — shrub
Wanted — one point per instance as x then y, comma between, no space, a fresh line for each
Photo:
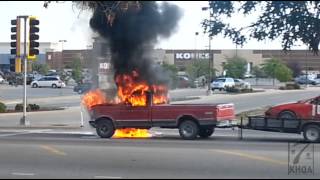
290,86
246,90
34,107
232,89
30,107
3,107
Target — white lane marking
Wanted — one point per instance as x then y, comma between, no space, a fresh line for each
14,134
21,132
107,177
22,174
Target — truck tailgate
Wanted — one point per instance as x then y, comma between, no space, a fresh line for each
225,112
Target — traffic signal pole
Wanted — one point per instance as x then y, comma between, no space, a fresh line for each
30,51
24,121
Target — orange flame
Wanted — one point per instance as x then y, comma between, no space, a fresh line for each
134,92
94,97
131,133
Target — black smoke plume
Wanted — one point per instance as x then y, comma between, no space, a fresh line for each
133,33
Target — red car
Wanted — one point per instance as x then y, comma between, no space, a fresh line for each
299,117
308,109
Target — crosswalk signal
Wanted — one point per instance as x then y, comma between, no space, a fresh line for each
33,38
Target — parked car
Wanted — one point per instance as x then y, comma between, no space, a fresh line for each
1,80
317,80
82,88
222,83
48,81
242,84
305,80
185,82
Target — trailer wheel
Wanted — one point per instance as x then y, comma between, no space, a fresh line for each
105,128
206,132
311,133
287,115
188,130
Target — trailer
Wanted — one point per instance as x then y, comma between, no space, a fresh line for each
309,127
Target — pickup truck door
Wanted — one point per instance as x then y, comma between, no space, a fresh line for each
134,116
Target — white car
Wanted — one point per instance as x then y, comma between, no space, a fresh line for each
48,81
242,84
317,80
222,83
1,80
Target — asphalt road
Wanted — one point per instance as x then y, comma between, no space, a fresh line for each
79,153
12,93
54,155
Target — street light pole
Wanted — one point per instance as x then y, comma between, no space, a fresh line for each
210,54
62,41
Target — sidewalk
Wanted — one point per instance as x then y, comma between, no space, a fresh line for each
70,118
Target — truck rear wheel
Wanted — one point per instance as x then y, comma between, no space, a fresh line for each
311,133
206,132
105,128
188,130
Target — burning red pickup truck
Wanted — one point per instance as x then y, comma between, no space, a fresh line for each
191,120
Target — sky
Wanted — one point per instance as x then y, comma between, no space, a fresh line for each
62,21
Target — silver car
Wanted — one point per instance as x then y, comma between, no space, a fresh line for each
242,84
222,83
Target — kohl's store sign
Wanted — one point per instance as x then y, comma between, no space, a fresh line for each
190,56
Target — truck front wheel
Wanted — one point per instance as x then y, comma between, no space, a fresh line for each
105,128
188,130
206,132
311,133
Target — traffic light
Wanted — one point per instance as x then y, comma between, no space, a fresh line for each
15,37
15,45
33,38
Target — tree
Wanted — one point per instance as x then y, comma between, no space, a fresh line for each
235,67
172,70
77,70
199,68
275,68
40,68
258,72
290,20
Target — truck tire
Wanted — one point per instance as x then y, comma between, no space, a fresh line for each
206,132
105,128
287,115
188,130
311,133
